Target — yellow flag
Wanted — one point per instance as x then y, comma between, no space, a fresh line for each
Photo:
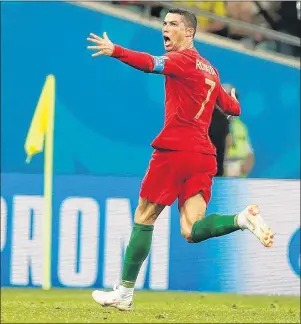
40,136
34,143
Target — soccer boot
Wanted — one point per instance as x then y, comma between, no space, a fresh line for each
250,219
113,298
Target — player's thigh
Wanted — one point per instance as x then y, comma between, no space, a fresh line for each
199,178
147,212
195,193
160,184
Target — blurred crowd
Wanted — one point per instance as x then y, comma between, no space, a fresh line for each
283,16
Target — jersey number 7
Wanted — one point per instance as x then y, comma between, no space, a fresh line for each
212,86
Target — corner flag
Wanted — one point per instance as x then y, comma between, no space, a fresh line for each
40,135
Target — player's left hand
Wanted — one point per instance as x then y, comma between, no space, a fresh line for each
103,45
233,93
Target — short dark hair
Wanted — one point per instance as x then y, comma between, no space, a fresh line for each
190,18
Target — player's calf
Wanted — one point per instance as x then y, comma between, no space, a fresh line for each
136,252
140,241
195,228
218,225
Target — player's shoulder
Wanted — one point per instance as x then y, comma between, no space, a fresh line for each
181,55
196,56
205,65
172,55
205,61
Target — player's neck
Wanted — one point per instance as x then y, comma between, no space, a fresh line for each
188,45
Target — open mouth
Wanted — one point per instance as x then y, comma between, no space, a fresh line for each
166,40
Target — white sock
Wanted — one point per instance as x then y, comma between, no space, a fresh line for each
126,291
242,221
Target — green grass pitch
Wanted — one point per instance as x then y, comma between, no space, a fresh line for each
77,306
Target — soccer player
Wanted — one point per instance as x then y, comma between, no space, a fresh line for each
183,162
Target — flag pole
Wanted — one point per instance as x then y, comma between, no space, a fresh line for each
40,138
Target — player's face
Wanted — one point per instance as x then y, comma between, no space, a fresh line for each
174,31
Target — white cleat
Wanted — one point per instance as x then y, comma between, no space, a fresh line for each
250,219
113,298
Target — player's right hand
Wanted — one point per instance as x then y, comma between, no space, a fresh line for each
103,45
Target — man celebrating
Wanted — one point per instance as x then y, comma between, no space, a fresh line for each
183,163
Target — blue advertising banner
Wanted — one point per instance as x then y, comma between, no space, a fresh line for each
92,221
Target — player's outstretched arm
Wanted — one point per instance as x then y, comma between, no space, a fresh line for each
228,103
138,60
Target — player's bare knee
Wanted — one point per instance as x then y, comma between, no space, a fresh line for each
147,212
192,211
186,228
186,233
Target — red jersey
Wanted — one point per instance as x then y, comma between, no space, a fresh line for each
192,88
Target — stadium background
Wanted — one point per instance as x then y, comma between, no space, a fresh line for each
106,116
